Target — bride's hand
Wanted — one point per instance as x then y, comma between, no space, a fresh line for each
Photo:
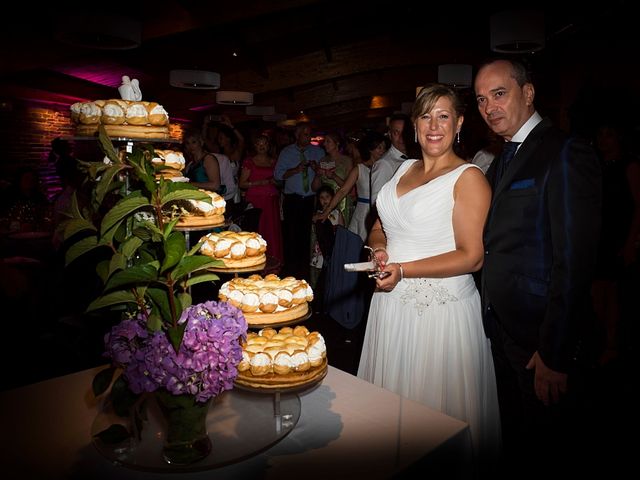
381,257
389,281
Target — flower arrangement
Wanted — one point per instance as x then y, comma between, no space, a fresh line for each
204,366
162,343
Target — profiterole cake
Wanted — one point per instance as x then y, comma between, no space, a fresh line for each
121,118
168,163
280,359
268,300
196,213
235,249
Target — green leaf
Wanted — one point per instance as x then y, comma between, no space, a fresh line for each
107,238
196,248
174,249
102,381
157,236
184,194
146,255
168,228
114,435
129,247
192,264
136,160
154,322
185,300
176,334
201,278
104,185
106,145
124,207
160,299
113,298
132,276
94,169
155,230
123,398
74,210
102,269
142,233
75,225
80,248
118,262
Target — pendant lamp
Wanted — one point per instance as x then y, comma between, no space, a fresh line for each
232,97
194,79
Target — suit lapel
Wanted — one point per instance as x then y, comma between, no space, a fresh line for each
521,157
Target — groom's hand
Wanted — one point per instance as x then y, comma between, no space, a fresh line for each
549,384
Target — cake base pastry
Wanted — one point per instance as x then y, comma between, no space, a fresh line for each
282,359
235,249
125,131
269,300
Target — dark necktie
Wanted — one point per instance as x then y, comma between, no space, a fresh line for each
305,173
508,151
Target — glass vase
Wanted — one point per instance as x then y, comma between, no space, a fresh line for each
187,439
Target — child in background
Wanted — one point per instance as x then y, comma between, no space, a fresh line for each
323,233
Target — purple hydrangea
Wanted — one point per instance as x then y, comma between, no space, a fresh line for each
206,363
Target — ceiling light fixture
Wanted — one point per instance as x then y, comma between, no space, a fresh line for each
194,79
232,97
517,31
458,75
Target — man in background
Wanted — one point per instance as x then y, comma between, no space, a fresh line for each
401,137
296,169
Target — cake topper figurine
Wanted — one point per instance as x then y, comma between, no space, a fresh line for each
130,89
135,86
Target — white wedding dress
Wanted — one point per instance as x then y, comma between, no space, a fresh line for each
424,339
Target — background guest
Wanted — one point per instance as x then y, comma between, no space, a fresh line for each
323,234
333,170
231,143
372,147
296,169
202,167
402,146
619,233
256,178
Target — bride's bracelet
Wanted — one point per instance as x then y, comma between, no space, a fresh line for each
401,271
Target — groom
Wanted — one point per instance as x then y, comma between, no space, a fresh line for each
540,245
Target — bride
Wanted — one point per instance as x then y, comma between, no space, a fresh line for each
424,337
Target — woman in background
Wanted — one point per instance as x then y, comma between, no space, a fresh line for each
202,167
371,148
333,170
256,178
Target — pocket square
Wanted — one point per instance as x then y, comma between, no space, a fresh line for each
520,184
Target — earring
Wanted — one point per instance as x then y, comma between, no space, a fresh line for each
458,136
415,135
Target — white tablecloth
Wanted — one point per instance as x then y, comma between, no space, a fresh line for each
348,428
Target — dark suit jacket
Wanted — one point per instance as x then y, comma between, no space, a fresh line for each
344,294
540,242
